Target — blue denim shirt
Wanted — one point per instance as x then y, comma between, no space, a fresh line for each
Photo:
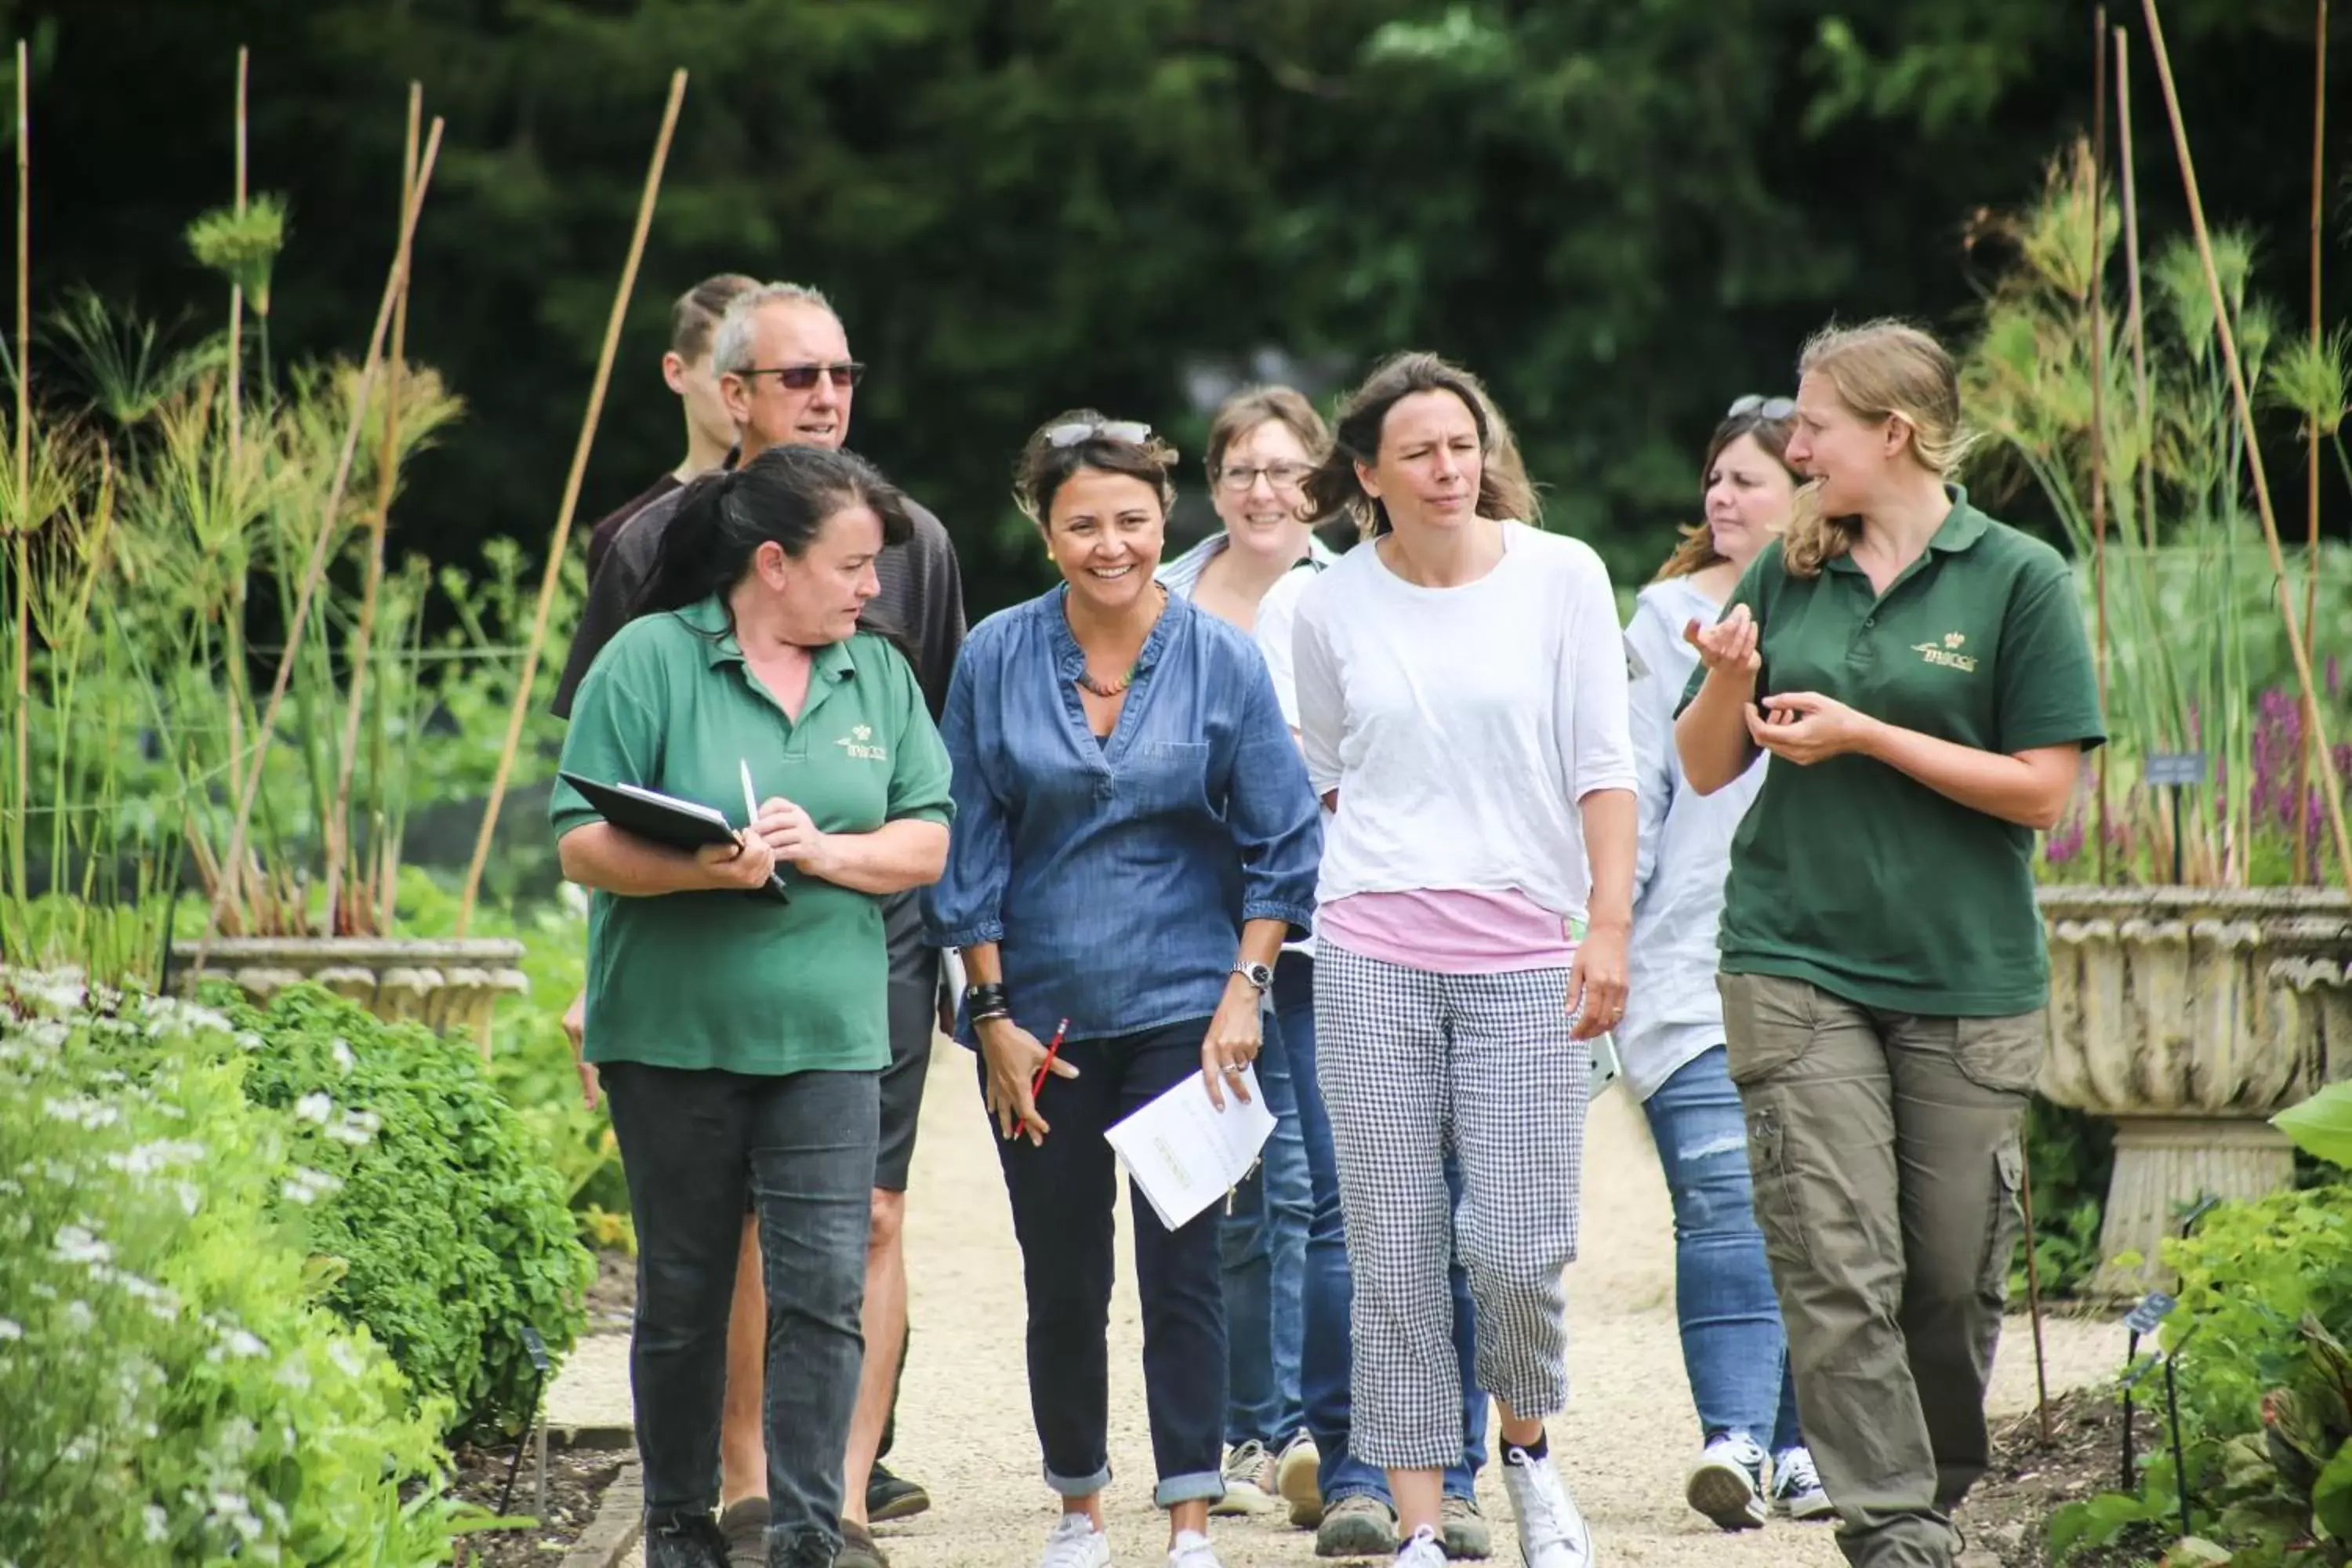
1115,877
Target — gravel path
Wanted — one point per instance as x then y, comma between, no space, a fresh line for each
964,1430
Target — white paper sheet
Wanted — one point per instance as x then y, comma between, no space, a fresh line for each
1185,1153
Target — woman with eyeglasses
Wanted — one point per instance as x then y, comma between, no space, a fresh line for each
1136,840
1670,1045
1263,443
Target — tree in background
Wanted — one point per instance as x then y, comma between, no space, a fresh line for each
1623,216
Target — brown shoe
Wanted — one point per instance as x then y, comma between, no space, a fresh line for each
745,1526
858,1549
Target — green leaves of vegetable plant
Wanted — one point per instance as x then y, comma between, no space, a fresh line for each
2331,1495
2322,1125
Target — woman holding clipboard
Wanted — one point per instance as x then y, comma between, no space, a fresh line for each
740,1036
1134,841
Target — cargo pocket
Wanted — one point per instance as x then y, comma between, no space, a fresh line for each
1778,1214
2008,1221
1769,1024
2001,1053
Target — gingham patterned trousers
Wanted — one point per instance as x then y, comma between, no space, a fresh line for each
1409,1062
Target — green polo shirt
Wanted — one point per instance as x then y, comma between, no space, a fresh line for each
729,979
1857,877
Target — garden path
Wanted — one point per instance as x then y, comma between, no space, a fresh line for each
1624,1440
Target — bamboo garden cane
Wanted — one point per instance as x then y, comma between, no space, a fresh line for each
556,548
316,567
2096,281
338,820
2307,755
2331,787
21,526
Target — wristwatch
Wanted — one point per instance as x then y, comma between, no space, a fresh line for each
1258,974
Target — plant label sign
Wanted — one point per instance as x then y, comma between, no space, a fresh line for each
2151,1310
2174,770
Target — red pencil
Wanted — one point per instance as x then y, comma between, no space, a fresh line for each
1037,1086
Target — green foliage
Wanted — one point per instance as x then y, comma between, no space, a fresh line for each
2070,1155
175,1392
441,1225
2321,1125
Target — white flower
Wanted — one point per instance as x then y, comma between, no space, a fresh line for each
82,1111
241,1342
340,1352
340,1051
192,1197
10,1329
306,1186
75,1245
158,1525
80,1318
314,1106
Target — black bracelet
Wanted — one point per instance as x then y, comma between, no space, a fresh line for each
986,1001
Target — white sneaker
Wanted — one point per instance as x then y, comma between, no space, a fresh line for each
1192,1551
1249,1481
1421,1549
1077,1543
1552,1533
1298,1476
1728,1483
1797,1489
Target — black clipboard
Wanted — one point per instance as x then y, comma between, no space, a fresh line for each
663,818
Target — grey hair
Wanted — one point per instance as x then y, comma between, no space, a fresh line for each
731,350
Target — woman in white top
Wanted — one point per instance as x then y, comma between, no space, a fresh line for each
1263,443
1462,700
1671,1042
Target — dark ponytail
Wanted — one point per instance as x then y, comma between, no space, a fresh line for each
783,496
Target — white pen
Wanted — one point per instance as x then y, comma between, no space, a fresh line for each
750,797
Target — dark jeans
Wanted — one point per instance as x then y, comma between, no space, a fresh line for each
1062,1192
693,1144
1327,1358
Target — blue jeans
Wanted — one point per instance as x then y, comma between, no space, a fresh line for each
1062,1192
1733,1346
1264,1243
1326,1356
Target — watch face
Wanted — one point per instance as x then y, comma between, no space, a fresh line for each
1258,974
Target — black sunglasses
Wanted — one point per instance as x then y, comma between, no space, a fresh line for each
1771,409
1131,432
801,377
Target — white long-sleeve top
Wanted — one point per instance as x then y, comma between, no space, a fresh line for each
1672,1012
1461,726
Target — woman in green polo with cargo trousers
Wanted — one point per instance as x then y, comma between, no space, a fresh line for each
1920,673
740,1036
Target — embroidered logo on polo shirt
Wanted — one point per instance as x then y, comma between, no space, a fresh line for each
1947,653
859,744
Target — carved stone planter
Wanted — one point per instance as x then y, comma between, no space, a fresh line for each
444,983
2191,1015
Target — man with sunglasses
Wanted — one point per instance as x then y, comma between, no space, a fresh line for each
781,357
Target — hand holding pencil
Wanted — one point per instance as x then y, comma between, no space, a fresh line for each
1018,1067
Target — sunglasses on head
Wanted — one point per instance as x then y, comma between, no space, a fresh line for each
1131,432
1773,409
846,373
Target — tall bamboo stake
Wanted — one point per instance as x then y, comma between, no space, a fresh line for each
2144,406
2329,783
339,833
2098,301
571,499
2305,757
265,727
21,525
236,293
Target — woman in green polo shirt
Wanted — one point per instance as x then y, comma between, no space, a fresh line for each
740,1036
1921,675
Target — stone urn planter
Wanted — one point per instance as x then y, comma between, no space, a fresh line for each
444,983
2189,1016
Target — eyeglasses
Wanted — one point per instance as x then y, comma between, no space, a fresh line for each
1770,409
1239,478
1131,432
846,373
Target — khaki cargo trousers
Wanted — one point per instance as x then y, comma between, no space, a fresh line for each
1887,1160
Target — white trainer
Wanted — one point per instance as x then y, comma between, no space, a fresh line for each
1421,1549
1192,1550
1797,1489
1728,1483
1249,1481
1077,1543
1552,1532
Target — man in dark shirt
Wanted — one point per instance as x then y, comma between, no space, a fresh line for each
709,430
782,363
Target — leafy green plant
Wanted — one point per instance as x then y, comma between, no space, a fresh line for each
175,1392
439,1225
2069,1154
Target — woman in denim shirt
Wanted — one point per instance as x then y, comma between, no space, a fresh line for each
1135,840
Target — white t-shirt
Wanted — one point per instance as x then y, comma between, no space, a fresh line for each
1461,726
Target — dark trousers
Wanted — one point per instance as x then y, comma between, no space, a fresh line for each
1062,1192
694,1143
